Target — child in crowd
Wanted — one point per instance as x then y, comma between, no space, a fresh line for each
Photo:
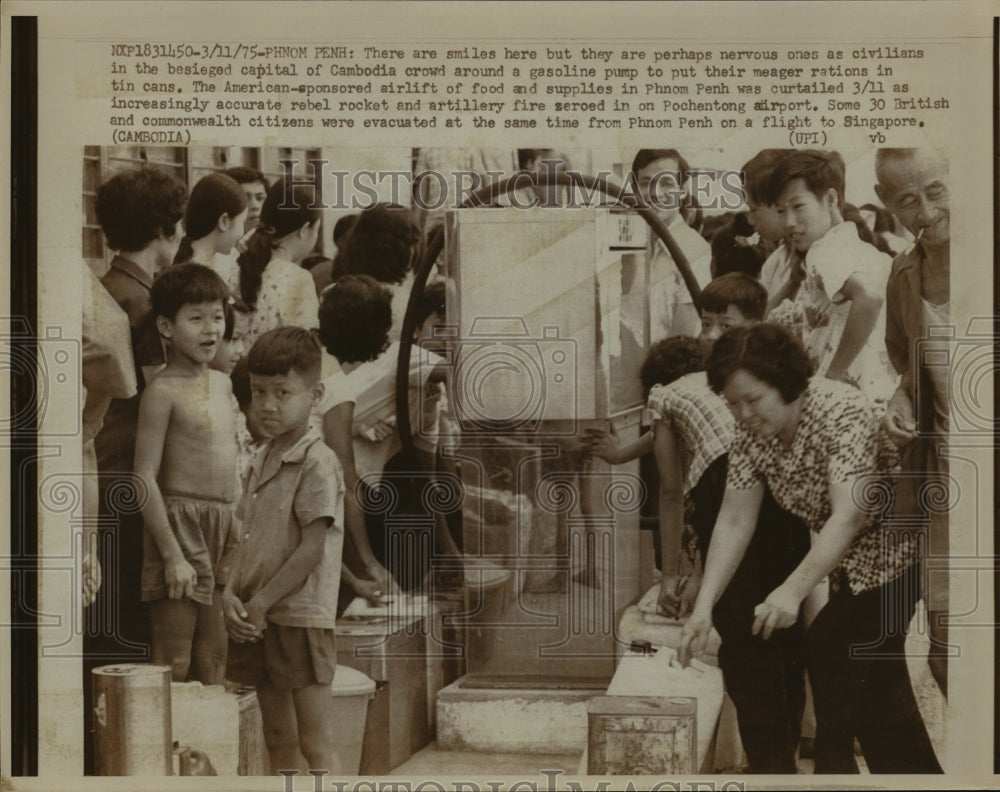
233,345
384,243
839,307
325,271
737,247
229,356
728,301
272,282
355,320
281,597
186,456
751,237
213,222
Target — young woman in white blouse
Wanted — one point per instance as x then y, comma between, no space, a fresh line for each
272,281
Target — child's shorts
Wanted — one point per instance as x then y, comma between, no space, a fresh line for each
289,658
202,527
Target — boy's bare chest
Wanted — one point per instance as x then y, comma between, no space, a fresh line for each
203,412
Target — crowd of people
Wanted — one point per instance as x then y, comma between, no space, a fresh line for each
254,409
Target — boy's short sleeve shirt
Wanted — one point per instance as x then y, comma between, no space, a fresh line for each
840,254
777,269
306,484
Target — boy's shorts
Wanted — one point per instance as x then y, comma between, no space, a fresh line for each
289,658
202,527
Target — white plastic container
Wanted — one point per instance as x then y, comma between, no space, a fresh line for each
351,692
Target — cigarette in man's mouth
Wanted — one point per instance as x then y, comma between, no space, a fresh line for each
920,233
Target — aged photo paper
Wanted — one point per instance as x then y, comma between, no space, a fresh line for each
421,104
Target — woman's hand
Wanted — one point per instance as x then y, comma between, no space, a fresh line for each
778,611
677,595
694,636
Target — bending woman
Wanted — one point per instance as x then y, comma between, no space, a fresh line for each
816,445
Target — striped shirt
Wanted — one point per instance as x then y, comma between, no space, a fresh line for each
700,419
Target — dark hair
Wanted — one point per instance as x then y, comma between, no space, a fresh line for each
882,225
712,224
645,156
733,252
820,170
342,228
135,207
883,218
244,175
186,284
769,352
213,196
355,315
233,306
278,219
527,157
738,289
311,261
672,358
852,214
432,301
241,383
282,350
757,172
381,243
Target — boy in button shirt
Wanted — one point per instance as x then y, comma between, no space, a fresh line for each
842,295
281,597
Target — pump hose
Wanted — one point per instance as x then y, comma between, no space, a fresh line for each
484,197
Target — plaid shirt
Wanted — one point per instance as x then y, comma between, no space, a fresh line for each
838,441
698,416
